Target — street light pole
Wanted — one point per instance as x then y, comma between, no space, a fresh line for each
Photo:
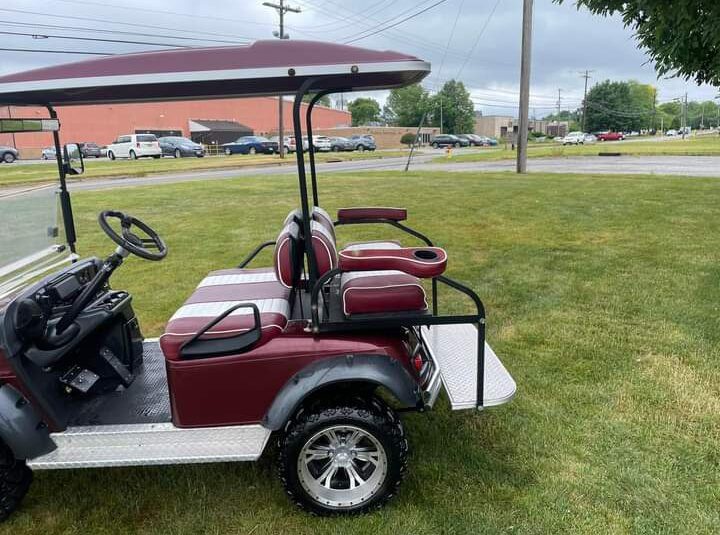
524,86
281,8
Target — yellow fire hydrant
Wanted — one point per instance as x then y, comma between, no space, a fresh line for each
448,152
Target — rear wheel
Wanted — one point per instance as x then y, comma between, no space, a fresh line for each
15,479
177,153
343,458
8,157
252,150
111,155
228,152
361,148
133,156
435,145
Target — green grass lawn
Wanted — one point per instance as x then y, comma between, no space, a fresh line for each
13,175
602,295
697,146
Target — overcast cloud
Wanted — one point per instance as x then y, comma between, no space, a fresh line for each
565,42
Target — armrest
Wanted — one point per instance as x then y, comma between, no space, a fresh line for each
350,215
198,347
423,262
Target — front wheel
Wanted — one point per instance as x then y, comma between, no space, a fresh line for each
343,458
133,156
111,155
228,152
8,157
435,145
252,150
177,153
15,479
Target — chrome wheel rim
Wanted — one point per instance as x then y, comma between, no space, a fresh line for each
342,466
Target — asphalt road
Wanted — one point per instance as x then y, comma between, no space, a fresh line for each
690,166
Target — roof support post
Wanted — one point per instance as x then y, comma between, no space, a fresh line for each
311,145
65,204
300,155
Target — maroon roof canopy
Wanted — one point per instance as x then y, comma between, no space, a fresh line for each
263,68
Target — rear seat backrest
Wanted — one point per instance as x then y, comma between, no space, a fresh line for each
287,255
322,217
324,248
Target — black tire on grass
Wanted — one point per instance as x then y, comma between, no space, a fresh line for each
15,479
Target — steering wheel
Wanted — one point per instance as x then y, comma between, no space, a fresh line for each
130,241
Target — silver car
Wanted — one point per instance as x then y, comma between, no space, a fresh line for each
8,154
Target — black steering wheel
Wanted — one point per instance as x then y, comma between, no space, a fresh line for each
150,247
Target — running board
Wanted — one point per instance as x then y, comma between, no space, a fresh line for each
151,444
454,349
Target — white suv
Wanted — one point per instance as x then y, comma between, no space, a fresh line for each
574,138
134,146
321,143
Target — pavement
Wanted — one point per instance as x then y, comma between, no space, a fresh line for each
688,166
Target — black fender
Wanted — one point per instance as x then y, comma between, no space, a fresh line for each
20,426
379,370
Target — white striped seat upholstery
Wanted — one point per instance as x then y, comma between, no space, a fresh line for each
220,291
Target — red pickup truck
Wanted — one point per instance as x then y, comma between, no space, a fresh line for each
610,136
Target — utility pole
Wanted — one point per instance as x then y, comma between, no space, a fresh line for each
684,116
441,115
525,62
281,9
587,76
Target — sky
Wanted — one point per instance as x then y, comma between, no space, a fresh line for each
475,41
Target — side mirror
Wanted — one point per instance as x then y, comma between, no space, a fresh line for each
73,159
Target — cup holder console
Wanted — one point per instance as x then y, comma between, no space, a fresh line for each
425,254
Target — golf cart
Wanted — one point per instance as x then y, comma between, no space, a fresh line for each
319,351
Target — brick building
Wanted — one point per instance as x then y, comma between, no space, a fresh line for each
103,123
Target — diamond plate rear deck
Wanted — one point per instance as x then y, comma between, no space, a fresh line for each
454,348
152,444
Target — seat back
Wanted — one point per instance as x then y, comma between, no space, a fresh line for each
287,257
323,243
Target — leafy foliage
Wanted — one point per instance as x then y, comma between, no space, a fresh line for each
682,36
458,111
323,101
364,111
620,106
408,139
407,105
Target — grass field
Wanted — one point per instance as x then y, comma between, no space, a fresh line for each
698,146
11,175
602,296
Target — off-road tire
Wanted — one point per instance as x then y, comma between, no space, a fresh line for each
373,416
15,479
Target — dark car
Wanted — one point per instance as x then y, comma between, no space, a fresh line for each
472,139
448,140
363,142
90,150
8,154
250,145
180,147
341,144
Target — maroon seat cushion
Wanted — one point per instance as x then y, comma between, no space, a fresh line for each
369,292
218,292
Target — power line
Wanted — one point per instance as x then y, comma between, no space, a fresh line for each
449,42
116,32
477,39
50,36
397,23
58,51
104,21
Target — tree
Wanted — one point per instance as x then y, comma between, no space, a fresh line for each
458,111
620,106
572,117
407,105
682,37
364,111
322,101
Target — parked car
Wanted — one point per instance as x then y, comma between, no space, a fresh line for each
590,138
671,133
574,138
8,154
48,153
180,147
341,144
320,143
472,139
362,142
448,140
250,145
90,150
488,141
134,146
290,145
610,136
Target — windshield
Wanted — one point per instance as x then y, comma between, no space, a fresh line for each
28,223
